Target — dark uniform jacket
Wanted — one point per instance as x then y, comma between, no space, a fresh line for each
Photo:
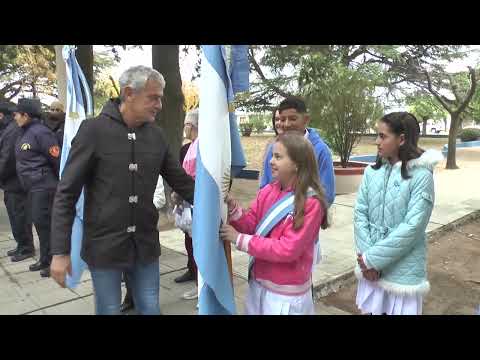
38,157
8,168
119,168
4,123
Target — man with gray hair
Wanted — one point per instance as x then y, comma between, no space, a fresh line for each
118,157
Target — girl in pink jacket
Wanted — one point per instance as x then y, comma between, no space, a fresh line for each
280,231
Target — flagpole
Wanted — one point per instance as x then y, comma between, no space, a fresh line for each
228,254
220,155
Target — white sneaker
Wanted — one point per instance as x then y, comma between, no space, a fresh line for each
11,237
191,294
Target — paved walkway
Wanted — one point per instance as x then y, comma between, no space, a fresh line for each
24,292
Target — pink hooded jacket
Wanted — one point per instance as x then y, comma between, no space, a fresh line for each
283,260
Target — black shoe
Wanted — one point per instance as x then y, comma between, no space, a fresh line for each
45,272
38,266
19,256
127,305
12,252
188,276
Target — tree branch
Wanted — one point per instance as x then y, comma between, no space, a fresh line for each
362,49
114,85
14,93
471,91
263,77
435,94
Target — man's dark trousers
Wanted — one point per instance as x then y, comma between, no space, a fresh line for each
20,219
41,205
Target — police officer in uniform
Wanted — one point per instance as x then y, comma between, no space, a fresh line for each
38,155
14,196
5,115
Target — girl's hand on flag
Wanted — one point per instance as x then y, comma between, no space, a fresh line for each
228,234
231,203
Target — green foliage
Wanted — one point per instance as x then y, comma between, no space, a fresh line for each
27,68
32,68
246,128
105,87
284,69
341,104
470,134
474,107
425,106
258,122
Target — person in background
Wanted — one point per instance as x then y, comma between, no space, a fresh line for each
277,128
5,115
187,159
14,196
38,159
294,118
55,120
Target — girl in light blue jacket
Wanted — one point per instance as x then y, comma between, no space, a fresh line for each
392,211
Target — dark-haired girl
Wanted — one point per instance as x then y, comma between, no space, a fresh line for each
393,208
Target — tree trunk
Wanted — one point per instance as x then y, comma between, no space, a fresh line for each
446,125
452,143
61,73
165,59
424,124
84,56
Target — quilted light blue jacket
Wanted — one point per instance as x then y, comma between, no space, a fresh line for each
390,219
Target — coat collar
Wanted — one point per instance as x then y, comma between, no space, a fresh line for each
429,159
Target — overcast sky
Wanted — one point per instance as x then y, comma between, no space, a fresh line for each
143,56
136,56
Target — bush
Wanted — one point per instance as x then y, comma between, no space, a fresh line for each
341,105
246,128
470,134
258,122
255,122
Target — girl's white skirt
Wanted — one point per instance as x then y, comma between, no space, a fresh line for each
261,301
372,299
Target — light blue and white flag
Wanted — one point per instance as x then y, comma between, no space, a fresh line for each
224,72
77,109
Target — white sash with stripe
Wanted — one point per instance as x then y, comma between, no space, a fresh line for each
277,213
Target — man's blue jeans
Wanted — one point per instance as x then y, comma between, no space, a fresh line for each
145,282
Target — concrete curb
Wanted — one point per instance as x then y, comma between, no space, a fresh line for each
453,225
347,278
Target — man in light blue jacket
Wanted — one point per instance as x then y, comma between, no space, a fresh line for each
294,117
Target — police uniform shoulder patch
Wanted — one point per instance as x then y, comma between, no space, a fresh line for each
54,151
25,146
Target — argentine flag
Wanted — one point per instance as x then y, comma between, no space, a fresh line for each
76,112
220,157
